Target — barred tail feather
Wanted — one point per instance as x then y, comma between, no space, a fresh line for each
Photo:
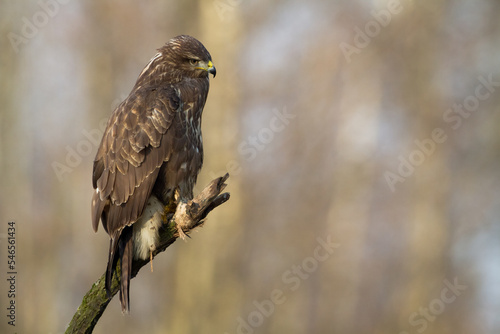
110,269
126,248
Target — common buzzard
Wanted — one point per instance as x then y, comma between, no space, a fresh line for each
150,153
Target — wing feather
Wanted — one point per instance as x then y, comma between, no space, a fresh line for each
130,155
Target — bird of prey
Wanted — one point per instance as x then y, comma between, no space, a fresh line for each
150,154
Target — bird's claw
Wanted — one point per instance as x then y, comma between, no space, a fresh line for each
182,235
181,218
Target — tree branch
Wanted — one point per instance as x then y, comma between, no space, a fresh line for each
188,217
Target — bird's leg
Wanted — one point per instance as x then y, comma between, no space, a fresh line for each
151,260
181,216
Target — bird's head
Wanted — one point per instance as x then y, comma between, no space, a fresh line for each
187,54
181,57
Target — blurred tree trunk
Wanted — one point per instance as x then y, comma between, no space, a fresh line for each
429,228
208,260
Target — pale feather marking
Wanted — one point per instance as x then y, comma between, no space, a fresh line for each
159,54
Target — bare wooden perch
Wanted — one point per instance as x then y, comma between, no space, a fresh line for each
188,217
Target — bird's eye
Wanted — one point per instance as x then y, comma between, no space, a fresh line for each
193,62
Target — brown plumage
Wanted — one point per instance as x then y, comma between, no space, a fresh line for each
151,149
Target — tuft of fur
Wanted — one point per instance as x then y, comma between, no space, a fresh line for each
147,229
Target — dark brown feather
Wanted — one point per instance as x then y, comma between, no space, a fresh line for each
126,248
152,144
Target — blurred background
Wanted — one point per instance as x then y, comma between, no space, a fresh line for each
362,138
